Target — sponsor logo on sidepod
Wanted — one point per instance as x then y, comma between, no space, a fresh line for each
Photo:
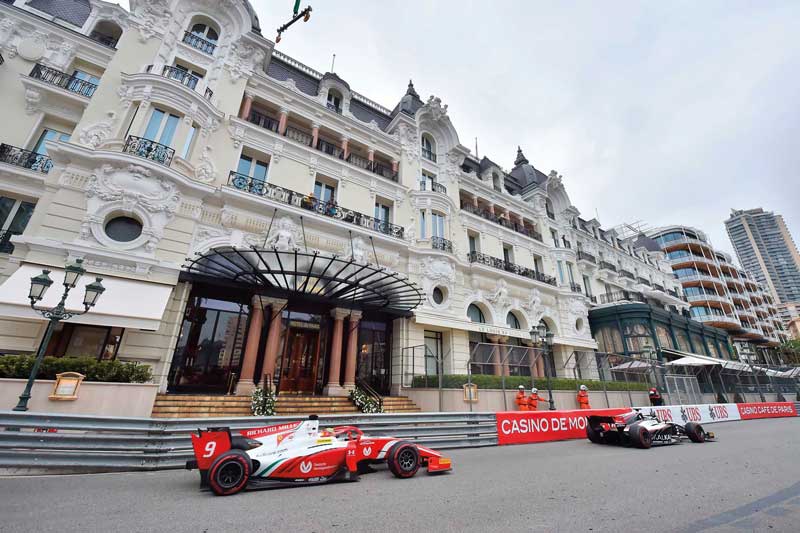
305,467
367,451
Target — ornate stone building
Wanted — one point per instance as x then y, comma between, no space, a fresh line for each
256,219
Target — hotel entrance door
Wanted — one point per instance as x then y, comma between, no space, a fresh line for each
300,361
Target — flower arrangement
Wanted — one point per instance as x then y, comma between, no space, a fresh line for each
262,402
365,402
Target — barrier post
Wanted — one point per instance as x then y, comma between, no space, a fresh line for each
601,372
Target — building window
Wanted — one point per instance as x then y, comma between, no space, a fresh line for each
437,225
78,340
587,286
253,168
161,127
206,32
538,264
508,253
548,206
49,135
14,217
433,352
187,146
560,266
324,192
423,226
438,295
123,229
427,181
554,236
512,321
382,212
570,272
428,147
475,314
474,244
334,101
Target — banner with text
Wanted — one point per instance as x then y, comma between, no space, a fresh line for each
749,411
524,427
703,413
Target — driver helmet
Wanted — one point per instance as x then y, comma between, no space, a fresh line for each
534,391
653,390
521,388
584,387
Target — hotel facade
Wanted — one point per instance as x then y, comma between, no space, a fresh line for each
255,220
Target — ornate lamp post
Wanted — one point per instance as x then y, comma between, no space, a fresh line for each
544,338
54,315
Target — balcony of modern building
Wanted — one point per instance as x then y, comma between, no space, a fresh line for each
309,203
714,317
502,264
734,282
499,215
699,276
322,139
709,299
684,258
745,313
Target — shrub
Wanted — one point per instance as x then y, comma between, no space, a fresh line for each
365,402
483,381
262,402
19,366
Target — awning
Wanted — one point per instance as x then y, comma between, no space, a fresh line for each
793,373
318,276
689,361
693,359
444,321
126,303
633,366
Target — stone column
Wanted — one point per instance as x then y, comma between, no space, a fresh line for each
395,164
283,121
352,351
273,336
491,208
371,155
332,387
246,382
345,149
497,353
475,201
247,106
314,135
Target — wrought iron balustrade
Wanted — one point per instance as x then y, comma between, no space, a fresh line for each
433,186
576,288
622,296
259,187
181,76
627,274
429,155
198,42
502,264
25,158
608,266
6,247
583,256
643,281
440,243
63,80
148,149
334,108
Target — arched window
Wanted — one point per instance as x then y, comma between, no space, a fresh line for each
475,314
205,31
106,32
548,205
497,182
203,35
335,100
512,321
428,147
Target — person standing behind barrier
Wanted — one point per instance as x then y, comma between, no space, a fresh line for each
522,401
533,400
655,397
583,398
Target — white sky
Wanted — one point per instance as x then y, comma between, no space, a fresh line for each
665,112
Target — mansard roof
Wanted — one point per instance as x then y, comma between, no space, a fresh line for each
74,12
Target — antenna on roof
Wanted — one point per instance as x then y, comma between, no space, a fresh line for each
333,62
476,148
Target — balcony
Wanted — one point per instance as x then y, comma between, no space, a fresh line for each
627,274
589,258
658,287
5,241
501,264
605,265
12,155
576,288
703,298
198,43
439,243
263,121
148,149
694,278
105,40
528,232
63,80
433,186
304,201
429,155
644,281
334,108
182,77
622,296
692,258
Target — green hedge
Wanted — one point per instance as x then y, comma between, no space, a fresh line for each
457,381
19,366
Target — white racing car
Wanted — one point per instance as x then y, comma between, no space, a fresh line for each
642,431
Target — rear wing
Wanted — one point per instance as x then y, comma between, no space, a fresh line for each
209,444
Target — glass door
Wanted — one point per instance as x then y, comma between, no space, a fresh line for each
374,365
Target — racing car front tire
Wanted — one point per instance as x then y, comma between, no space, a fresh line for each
229,472
403,459
695,432
640,436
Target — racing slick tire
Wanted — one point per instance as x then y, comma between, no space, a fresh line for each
593,435
640,436
229,472
403,459
695,432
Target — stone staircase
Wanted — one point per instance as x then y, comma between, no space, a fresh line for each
399,404
295,404
200,406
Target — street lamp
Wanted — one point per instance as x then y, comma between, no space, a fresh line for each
54,315
544,338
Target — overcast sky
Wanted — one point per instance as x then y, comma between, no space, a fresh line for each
662,112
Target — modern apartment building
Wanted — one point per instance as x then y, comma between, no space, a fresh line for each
765,249
720,293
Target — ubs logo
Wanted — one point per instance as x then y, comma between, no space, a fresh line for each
367,451
305,467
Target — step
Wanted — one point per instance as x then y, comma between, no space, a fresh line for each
201,410
301,399
211,399
292,410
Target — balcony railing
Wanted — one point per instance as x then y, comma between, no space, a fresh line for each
627,274
195,41
103,39
298,136
359,161
551,215
622,296
5,241
63,80
583,256
496,262
529,232
429,155
328,209
440,243
643,281
181,76
25,158
148,149
658,287
567,244
263,121
334,108
434,186
574,287
605,265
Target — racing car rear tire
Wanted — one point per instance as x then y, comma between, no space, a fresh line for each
593,435
403,459
640,436
229,472
695,432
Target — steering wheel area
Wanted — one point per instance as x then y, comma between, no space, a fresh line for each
347,433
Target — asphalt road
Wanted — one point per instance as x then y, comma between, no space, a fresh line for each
749,480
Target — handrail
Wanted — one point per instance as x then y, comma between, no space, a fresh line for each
63,80
149,150
25,158
198,42
496,262
372,393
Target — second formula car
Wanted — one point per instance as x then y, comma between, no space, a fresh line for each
641,431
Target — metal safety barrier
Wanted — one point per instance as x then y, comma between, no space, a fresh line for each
101,444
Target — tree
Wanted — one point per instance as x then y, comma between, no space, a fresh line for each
791,352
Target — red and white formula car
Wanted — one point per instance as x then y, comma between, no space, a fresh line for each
298,453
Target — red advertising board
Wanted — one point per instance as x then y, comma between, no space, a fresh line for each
524,427
748,411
